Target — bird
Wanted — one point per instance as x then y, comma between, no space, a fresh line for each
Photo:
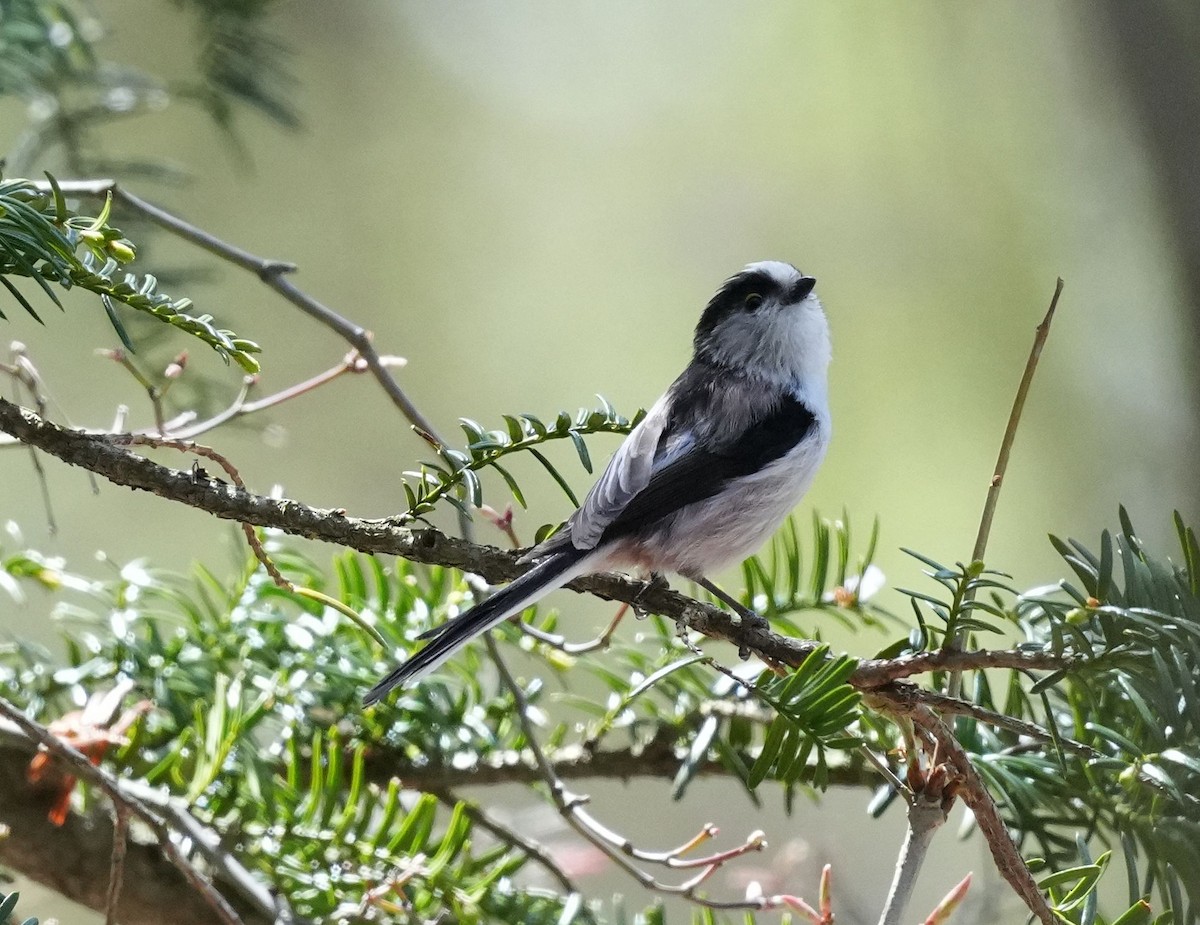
706,476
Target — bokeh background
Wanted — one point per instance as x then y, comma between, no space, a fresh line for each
532,202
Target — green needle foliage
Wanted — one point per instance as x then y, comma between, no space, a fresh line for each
50,58
252,685
41,238
455,479
257,727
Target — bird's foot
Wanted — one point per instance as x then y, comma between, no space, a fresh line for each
656,583
747,617
751,619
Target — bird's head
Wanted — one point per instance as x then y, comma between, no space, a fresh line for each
766,322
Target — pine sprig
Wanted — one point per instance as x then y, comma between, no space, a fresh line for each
249,681
455,479
813,706
41,238
241,674
963,611
1130,696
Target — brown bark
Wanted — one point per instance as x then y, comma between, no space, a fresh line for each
117,464
73,859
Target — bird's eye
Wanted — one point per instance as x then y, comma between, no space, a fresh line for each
753,301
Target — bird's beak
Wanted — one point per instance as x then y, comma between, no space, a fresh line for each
802,288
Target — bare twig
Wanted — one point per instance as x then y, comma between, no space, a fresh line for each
184,426
929,796
924,819
1014,421
273,274
25,374
1006,443
880,671
207,452
614,846
560,643
116,874
510,837
255,544
426,545
153,391
881,766
946,704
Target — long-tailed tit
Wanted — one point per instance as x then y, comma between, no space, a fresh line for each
710,472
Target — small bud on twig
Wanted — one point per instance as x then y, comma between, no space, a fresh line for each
176,367
946,907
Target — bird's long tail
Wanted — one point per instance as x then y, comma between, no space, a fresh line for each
553,572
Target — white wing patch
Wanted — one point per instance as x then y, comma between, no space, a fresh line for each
627,473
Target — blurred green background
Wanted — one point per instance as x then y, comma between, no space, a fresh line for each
532,202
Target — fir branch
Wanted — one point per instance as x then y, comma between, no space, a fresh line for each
975,794
83,768
102,456
74,859
40,238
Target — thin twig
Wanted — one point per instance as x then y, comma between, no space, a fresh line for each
428,546
24,373
1006,443
273,274
560,643
879,671
1014,421
116,872
184,426
207,452
946,704
925,817
881,766
510,837
153,391
614,846
255,544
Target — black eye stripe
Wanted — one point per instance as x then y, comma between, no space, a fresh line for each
731,298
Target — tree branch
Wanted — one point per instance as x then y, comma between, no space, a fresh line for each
101,455
82,767
429,546
273,274
975,794
74,859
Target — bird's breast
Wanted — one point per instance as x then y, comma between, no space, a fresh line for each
709,535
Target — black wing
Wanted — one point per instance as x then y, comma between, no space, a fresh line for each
697,474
